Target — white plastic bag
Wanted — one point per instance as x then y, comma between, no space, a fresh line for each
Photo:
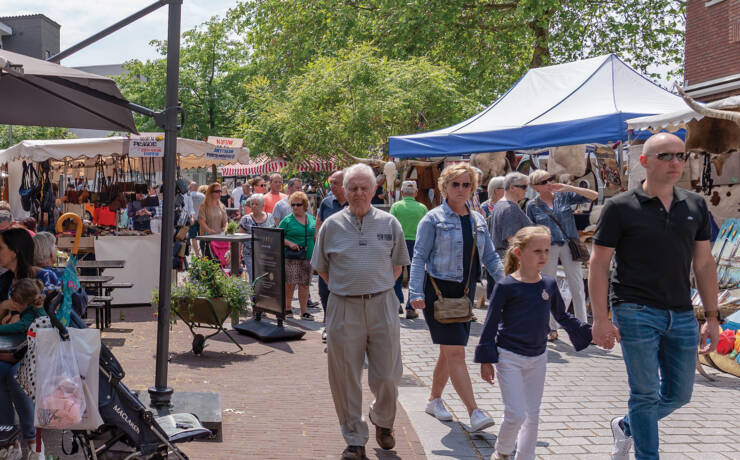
60,399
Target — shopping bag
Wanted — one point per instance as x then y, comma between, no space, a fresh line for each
86,343
60,399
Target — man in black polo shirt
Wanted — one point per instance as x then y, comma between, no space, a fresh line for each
656,233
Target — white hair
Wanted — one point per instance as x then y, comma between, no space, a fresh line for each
256,197
44,245
359,169
515,178
494,183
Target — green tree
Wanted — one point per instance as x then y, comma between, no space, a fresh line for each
211,66
490,43
351,102
22,133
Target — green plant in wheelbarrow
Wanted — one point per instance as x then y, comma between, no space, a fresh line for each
206,299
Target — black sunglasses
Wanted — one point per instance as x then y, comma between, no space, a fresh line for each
523,187
461,184
669,156
296,205
547,181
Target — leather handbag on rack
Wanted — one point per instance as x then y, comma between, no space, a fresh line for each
578,249
459,310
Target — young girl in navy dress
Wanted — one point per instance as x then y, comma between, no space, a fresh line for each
514,338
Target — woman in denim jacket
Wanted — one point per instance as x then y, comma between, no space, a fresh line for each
443,250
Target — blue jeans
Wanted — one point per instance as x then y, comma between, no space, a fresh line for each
659,348
12,396
399,281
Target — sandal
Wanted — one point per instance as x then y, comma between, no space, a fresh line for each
552,336
307,317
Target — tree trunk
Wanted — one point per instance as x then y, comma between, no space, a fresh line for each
541,29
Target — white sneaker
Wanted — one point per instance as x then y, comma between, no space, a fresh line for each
479,420
33,455
622,442
437,409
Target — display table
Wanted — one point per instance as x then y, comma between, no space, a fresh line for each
141,257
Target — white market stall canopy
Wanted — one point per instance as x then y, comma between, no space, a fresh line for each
677,120
60,149
264,165
580,102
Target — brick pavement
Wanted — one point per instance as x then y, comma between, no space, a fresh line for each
583,392
276,401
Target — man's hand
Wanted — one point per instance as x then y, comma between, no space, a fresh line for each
418,304
487,372
604,334
710,330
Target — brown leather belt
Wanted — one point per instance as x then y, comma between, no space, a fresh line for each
364,296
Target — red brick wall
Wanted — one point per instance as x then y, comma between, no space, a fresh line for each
712,40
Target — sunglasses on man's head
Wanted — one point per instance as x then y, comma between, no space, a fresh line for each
296,205
669,156
461,184
523,187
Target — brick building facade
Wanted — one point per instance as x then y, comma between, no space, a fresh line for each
712,60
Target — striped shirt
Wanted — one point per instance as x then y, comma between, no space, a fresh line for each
360,255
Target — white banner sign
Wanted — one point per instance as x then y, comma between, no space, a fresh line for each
146,145
224,148
226,141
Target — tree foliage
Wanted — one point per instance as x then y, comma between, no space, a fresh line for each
22,133
352,102
211,63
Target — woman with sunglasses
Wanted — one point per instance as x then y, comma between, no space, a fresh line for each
556,201
300,230
212,216
451,242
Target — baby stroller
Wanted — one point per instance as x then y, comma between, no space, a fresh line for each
130,430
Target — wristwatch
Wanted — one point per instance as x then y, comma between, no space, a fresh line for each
713,314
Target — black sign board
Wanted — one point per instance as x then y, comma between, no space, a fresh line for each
268,265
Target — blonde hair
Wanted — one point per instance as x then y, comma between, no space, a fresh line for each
203,189
539,175
456,170
299,196
27,291
520,240
209,191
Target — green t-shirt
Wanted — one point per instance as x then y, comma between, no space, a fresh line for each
296,232
409,212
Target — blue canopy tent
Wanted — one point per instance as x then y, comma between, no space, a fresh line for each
580,102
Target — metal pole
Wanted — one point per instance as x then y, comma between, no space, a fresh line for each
108,30
161,393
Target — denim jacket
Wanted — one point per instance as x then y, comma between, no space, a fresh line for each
439,245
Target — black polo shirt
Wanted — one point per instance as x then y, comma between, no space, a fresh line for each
653,248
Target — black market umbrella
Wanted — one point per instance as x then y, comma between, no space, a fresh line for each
40,93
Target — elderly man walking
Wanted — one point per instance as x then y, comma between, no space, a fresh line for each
656,233
360,251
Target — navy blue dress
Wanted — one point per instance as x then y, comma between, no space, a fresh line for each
453,333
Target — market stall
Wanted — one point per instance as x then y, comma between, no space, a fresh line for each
264,165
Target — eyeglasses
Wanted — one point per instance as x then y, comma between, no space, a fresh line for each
669,156
461,184
523,187
296,205
548,181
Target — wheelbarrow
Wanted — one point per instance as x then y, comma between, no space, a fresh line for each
203,313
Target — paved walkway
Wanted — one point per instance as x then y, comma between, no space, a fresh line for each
583,391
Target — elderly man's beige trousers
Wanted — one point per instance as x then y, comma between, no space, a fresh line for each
355,327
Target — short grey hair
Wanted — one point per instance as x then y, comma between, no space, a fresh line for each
515,178
293,180
359,169
408,187
494,183
44,245
256,197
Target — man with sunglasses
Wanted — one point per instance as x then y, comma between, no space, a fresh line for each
656,233
507,217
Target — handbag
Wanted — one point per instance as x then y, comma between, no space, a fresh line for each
459,310
578,249
300,253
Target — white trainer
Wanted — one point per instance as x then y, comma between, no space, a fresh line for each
437,409
479,420
622,442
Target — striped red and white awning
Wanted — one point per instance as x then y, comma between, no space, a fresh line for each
263,165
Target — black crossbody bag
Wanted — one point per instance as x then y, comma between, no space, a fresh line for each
578,250
300,253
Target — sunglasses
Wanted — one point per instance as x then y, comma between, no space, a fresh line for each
668,156
461,184
216,191
296,205
259,185
548,181
523,187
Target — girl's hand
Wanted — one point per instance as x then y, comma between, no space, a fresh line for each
418,304
487,372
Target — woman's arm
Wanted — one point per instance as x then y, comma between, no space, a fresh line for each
490,258
587,193
425,234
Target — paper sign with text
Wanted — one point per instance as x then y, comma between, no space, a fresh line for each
146,145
